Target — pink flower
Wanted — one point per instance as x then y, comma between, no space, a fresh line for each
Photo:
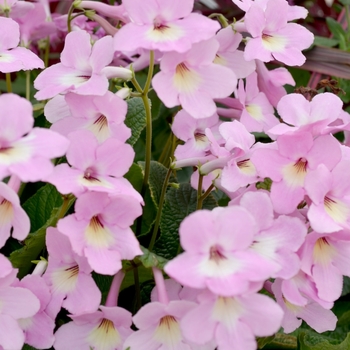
39,328
12,216
12,57
258,113
273,37
193,80
217,255
232,321
24,151
105,329
95,167
103,115
300,115
100,230
228,54
162,25
82,69
69,278
312,313
288,166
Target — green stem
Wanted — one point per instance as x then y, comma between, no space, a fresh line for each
47,52
204,196
199,192
69,18
347,11
137,86
28,85
221,18
160,208
148,120
137,288
8,82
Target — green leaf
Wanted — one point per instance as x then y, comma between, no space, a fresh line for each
135,176
328,42
264,341
179,203
345,2
28,347
39,207
135,118
346,286
149,259
103,283
156,179
282,341
149,213
34,244
314,341
145,274
335,28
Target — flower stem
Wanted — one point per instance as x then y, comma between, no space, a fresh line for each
69,18
28,85
204,196
159,211
199,192
112,297
147,105
8,82
159,279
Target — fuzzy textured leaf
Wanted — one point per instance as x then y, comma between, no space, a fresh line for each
39,207
314,341
156,179
179,203
135,118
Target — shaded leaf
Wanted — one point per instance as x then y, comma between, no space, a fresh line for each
35,243
135,118
39,207
315,341
156,179
179,203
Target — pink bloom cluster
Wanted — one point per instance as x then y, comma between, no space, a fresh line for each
296,233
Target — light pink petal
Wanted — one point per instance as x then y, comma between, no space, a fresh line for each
313,181
18,302
262,314
329,281
170,10
198,325
9,34
256,50
96,85
77,50
86,297
56,109
295,146
326,150
102,53
163,85
15,110
320,319
274,22
104,261
142,340
259,205
40,333
141,11
285,198
255,20
11,335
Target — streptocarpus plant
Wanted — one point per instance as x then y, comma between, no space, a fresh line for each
161,149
